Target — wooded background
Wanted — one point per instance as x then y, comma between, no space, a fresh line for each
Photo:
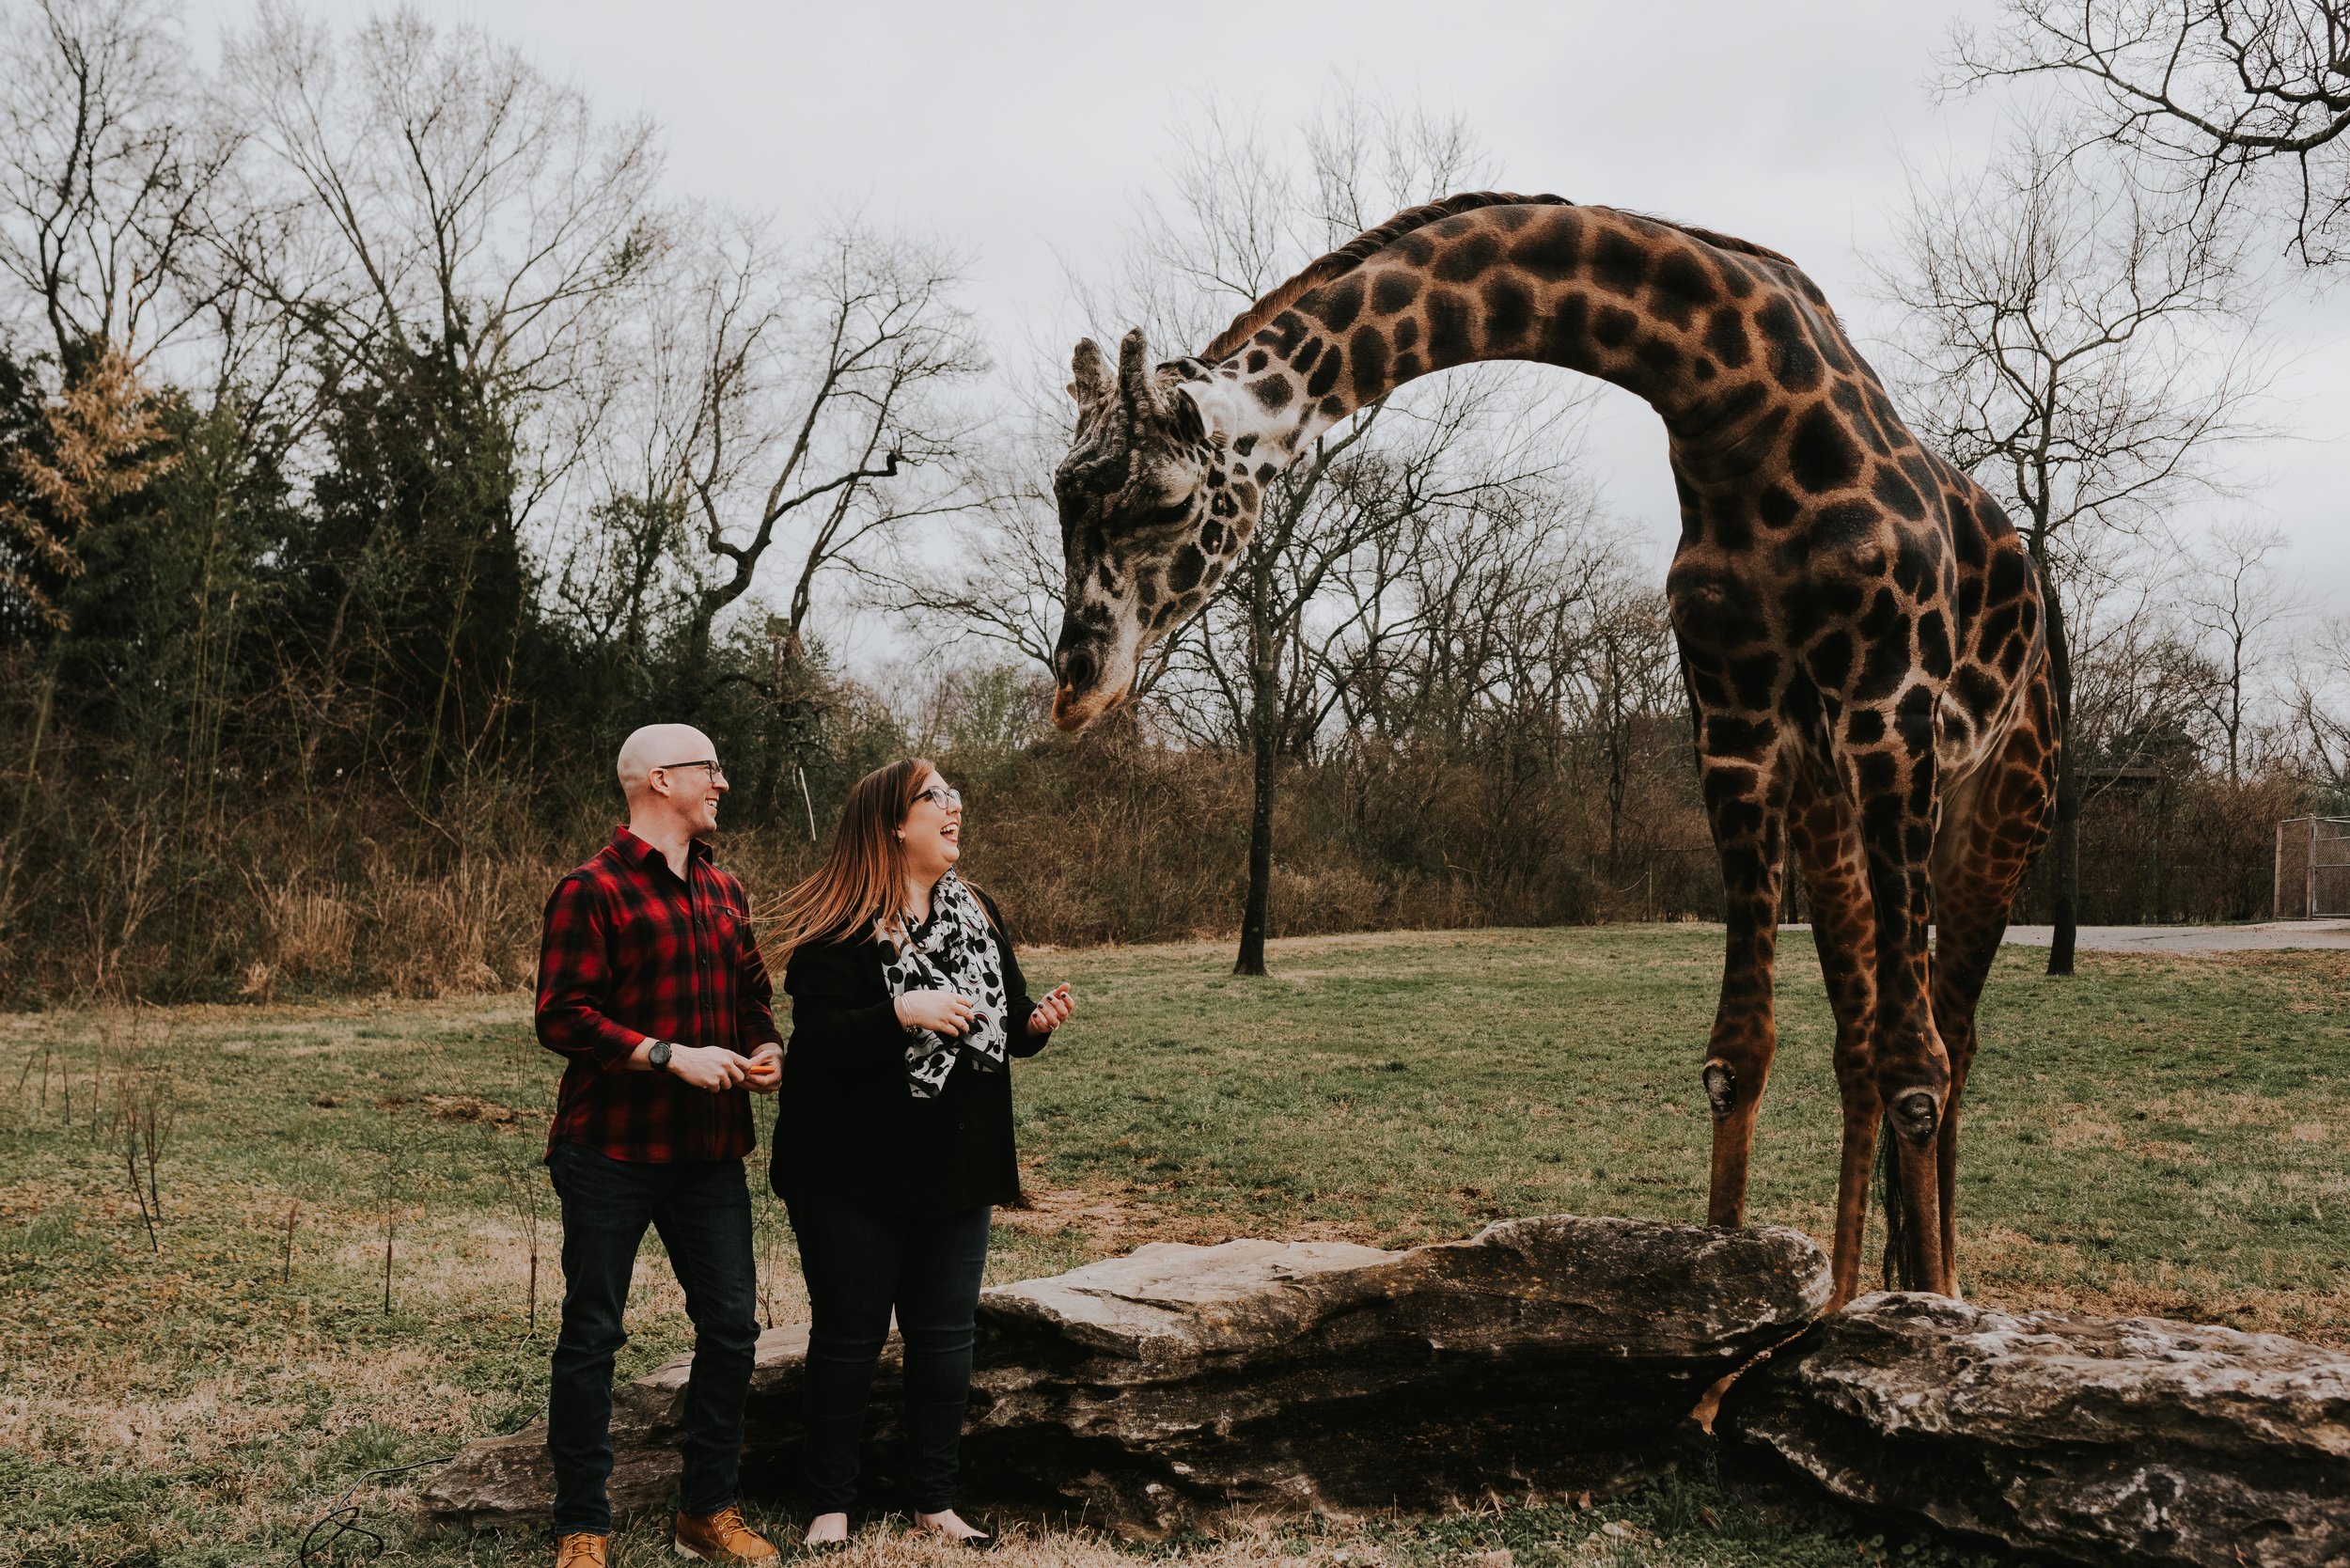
381,440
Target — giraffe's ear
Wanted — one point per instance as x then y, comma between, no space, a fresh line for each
1089,374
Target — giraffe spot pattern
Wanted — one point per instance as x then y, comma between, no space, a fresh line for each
1392,291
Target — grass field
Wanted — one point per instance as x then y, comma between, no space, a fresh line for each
2153,1135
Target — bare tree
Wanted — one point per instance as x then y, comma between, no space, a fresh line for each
432,191
2234,96
1625,697
106,161
1272,657
822,371
2082,353
2140,685
2320,702
622,560
999,583
2237,605
1241,217
448,233
1391,586
1481,642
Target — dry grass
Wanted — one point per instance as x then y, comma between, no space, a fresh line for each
2151,1137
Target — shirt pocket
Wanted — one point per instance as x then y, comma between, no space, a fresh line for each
729,926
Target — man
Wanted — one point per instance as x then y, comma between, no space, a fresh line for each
651,984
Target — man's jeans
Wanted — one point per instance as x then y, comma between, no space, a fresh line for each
860,1263
703,1213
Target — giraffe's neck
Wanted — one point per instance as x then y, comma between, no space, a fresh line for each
1721,344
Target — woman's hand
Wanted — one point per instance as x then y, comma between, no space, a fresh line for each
942,1013
765,1073
1053,1012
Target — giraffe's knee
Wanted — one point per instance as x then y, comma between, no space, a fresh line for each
1915,1116
1721,1087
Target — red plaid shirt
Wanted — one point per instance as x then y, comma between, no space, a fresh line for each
631,952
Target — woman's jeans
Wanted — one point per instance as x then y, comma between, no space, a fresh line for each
703,1213
861,1262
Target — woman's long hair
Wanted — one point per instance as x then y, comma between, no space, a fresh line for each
863,879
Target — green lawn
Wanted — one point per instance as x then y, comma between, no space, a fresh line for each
2155,1135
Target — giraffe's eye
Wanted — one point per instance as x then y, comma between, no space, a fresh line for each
1169,516
1176,489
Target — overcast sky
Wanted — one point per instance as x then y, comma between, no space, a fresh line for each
1026,133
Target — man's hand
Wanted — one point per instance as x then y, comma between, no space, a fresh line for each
710,1067
1053,1012
942,1013
765,1074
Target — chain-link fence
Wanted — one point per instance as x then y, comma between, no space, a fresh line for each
2312,867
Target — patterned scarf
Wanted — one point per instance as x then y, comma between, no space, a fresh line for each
953,950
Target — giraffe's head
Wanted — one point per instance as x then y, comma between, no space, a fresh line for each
1155,507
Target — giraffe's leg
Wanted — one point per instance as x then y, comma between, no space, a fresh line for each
1971,917
1963,951
1894,780
1746,805
1819,822
1993,825
1827,846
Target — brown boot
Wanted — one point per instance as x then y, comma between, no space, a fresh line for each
581,1550
722,1537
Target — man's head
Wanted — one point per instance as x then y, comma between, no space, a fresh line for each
670,775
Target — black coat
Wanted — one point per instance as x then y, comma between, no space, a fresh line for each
847,1122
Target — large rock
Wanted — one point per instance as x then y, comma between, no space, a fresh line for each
1540,1353
2125,1440
1141,1391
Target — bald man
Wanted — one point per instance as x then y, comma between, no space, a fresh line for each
651,984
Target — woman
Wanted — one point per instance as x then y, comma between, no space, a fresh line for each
894,1139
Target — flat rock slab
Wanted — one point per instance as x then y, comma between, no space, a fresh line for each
2130,1440
1148,1391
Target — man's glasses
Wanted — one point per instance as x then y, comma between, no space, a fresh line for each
948,799
717,773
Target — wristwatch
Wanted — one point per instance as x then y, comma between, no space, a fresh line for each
658,1058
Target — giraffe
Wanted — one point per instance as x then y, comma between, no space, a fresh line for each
1859,629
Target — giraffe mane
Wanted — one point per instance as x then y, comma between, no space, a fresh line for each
1371,240
1354,253
1724,242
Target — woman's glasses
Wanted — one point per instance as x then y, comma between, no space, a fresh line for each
946,799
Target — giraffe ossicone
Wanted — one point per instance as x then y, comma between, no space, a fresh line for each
1859,627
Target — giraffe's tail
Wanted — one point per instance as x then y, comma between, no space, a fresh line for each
1903,1269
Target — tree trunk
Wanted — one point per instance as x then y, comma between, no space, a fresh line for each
1265,702
2067,843
1618,787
